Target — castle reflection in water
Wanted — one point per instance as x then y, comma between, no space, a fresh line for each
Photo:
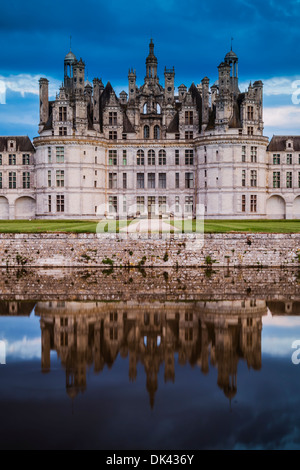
86,334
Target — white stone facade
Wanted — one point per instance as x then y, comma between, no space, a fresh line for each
151,148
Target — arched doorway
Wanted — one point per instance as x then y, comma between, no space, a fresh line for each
25,208
4,208
276,207
296,208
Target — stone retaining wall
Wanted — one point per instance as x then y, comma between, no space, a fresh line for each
91,250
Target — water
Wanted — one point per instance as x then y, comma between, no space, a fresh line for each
213,371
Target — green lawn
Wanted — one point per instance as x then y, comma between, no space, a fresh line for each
211,226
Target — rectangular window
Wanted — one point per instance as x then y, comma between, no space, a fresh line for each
188,118
299,179
243,153
151,180
0,159
151,204
60,203
49,204
124,204
62,113
12,180
253,178
243,177
243,203
151,157
289,159
276,179
49,154
113,204
289,179
189,180
112,157
26,180
176,157
162,180
177,180
60,178
140,203
124,180
26,159
140,180
12,159
0,180
60,154
112,180
124,157
253,154
62,131
250,130
162,204
253,203
276,159
189,157
112,118
188,135
189,204
112,135
250,113
49,179
162,159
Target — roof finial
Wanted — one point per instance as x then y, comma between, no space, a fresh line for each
231,43
70,43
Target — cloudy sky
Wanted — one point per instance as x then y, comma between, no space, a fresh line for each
194,36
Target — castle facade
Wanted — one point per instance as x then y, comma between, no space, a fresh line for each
150,150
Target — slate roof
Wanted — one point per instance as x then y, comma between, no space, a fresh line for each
23,143
278,143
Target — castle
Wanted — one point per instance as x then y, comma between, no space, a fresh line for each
150,150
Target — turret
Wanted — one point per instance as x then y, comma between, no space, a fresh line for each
69,61
205,101
169,85
131,85
151,64
44,102
78,75
96,104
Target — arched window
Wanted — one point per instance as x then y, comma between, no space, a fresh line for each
145,108
140,157
158,108
162,160
146,132
151,157
156,132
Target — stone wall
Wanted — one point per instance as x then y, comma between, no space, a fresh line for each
104,250
146,284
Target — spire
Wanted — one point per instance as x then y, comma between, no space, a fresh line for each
151,62
231,44
70,43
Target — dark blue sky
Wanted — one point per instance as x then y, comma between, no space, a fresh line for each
113,36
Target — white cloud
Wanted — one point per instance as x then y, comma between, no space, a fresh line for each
27,84
285,117
275,86
281,321
24,349
278,346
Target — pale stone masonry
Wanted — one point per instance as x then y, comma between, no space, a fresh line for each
107,252
157,149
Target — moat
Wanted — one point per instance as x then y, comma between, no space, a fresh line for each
149,358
